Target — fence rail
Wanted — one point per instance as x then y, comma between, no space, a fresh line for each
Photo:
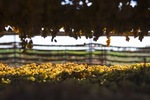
92,53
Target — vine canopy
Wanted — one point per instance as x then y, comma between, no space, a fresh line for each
91,18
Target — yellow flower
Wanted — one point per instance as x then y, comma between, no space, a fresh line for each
5,81
1,73
44,80
32,78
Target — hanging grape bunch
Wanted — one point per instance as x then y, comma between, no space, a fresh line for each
30,44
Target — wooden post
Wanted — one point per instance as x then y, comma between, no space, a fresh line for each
14,47
90,52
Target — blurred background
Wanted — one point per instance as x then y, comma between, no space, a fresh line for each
68,49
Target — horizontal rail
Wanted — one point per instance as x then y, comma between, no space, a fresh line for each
98,54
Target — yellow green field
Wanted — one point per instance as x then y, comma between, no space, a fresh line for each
75,81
